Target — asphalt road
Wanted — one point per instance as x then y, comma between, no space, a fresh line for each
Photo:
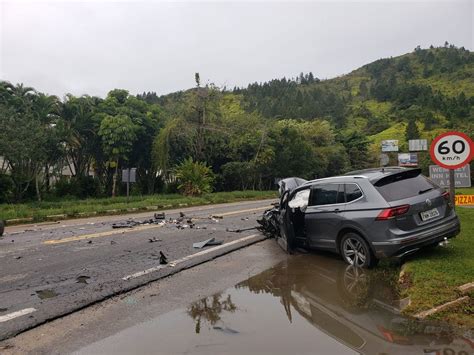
256,300
119,313
49,270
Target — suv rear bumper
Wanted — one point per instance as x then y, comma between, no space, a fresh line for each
411,243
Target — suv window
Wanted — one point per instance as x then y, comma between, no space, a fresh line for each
405,187
352,192
327,194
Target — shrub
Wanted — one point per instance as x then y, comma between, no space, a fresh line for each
81,187
237,175
194,178
6,188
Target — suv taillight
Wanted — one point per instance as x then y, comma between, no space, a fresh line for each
447,197
393,212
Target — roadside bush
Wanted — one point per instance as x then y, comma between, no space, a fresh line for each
171,187
237,175
81,187
6,188
194,178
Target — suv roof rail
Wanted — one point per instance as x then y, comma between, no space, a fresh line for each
339,177
373,170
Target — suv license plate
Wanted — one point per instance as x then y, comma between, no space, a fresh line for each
429,214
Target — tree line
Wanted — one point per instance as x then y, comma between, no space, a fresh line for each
92,139
237,139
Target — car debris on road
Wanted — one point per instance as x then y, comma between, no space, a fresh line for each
163,258
160,215
182,222
207,242
242,229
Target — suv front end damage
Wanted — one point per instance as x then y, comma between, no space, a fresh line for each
275,221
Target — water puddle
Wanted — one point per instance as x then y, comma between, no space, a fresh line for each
45,294
308,304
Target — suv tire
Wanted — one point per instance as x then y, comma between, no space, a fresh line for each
356,252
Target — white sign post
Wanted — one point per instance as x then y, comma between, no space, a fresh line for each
129,176
452,150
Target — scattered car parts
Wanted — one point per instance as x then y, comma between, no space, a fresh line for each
207,242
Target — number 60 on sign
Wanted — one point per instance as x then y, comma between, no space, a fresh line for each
452,150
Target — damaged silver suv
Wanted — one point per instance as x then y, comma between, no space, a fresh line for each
364,215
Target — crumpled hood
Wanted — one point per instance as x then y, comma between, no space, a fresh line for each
290,184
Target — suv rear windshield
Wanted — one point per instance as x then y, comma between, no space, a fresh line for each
405,187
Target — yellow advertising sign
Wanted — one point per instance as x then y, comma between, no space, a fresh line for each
464,200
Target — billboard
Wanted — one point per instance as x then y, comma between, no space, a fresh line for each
390,145
417,145
440,176
408,159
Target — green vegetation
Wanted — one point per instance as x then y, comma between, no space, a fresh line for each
194,178
465,191
72,208
300,126
433,275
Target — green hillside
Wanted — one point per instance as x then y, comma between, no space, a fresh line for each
433,87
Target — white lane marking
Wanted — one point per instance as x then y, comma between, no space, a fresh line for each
16,314
144,272
186,258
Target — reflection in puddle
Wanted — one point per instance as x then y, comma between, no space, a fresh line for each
354,306
44,294
209,309
308,304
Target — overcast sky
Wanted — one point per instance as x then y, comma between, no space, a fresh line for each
90,47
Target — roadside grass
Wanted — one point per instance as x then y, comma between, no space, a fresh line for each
101,206
433,275
465,191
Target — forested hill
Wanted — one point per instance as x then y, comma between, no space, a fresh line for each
435,86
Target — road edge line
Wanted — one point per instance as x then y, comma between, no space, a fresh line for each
16,314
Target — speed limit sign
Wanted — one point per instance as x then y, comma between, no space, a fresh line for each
452,150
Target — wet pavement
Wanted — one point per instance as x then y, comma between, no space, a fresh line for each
306,304
257,300
49,270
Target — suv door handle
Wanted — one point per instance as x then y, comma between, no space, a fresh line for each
337,210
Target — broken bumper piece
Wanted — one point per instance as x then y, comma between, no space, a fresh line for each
269,222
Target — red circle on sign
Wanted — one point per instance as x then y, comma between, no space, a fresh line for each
452,133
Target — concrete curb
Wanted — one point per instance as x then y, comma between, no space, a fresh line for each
50,312
9,222
466,288
86,214
55,217
437,309
124,211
